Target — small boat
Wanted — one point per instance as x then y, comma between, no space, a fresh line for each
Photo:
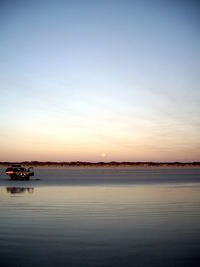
17,172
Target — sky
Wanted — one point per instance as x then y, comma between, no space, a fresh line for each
100,80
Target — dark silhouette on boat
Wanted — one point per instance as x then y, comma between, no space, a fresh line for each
17,172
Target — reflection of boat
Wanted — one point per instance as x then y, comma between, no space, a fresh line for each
19,190
17,172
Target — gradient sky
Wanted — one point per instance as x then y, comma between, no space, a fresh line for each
82,78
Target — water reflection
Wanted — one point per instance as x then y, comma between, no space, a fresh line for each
92,226
19,190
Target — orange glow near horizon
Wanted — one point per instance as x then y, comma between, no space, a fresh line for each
90,149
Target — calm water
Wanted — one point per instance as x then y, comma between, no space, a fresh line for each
101,217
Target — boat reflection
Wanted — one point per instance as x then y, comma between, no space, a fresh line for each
19,190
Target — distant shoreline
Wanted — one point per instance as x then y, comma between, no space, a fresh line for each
111,164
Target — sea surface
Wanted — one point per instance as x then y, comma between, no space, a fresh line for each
101,217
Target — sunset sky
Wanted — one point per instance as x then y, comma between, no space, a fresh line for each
100,80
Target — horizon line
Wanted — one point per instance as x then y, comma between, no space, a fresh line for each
99,162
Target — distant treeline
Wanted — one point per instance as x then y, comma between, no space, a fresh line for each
99,164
